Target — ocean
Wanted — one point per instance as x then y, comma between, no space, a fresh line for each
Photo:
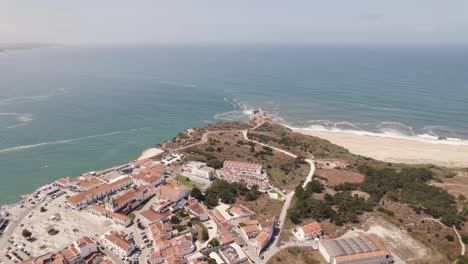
68,110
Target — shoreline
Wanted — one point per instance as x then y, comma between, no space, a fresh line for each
400,150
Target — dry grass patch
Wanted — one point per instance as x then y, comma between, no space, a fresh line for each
264,207
335,177
423,228
294,255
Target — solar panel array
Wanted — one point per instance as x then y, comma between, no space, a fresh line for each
349,246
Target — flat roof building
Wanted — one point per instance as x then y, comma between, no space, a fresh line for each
358,249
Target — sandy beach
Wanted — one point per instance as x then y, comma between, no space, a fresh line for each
149,153
397,150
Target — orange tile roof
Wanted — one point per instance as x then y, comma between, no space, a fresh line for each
236,210
152,215
170,192
143,162
311,227
96,190
84,241
262,238
62,181
119,241
219,216
70,252
250,228
112,214
106,261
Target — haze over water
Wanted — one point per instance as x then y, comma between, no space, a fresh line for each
66,111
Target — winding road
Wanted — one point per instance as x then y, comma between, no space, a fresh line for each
274,248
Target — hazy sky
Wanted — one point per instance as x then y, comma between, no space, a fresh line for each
235,21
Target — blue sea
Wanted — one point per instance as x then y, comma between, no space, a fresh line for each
68,110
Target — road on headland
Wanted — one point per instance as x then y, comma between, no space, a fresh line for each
288,199
274,248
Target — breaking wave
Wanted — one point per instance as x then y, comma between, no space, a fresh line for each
34,98
65,141
21,119
387,129
430,134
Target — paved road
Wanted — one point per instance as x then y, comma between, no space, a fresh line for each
12,226
288,199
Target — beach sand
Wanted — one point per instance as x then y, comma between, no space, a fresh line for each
149,153
397,150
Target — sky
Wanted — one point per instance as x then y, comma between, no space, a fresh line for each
237,21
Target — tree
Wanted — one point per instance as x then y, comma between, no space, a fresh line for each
215,163
175,220
197,194
26,233
42,210
314,186
214,242
450,237
212,261
204,235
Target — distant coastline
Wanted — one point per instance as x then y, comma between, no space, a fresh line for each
22,46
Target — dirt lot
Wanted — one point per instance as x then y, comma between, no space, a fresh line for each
456,185
335,177
264,207
427,232
296,256
402,245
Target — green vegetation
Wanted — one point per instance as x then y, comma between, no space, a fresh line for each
314,186
294,250
409,185
205,236
197,194
131,215
26,234
228,192
42,210
464,238
277,174
347,186
214,163
279,195
348,207
450,238
300,144
184,181
214,242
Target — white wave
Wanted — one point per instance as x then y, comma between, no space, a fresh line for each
26,99
65,141
21,118
387,134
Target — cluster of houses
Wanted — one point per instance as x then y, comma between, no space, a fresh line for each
83,250
123,189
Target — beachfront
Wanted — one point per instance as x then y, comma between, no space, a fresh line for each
397,150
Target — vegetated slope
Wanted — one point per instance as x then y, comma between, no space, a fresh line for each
284,171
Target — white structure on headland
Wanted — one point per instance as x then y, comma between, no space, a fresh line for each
199,169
